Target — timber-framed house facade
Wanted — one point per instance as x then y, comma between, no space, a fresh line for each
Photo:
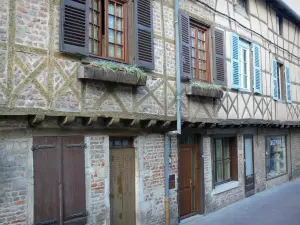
144,112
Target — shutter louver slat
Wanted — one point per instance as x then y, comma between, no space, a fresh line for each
275,80
257,69
288,85
219,76
235,57
185,47
74,27
144,34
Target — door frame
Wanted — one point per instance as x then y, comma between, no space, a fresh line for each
199,176
253,165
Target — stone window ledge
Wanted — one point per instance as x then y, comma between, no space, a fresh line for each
225,187
96,73
204,92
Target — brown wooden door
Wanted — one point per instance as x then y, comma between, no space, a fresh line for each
122,186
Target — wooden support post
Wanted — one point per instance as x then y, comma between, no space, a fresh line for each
34,120
66,120
148,123
88,121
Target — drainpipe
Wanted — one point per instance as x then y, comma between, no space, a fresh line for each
178,113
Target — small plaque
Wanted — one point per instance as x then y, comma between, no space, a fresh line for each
171,181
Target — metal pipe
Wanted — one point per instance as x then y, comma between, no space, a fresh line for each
167,200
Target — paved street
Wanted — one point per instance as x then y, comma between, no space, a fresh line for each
277,206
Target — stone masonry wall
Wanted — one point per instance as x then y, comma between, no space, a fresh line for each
295,138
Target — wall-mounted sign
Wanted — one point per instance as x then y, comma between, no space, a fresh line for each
274,142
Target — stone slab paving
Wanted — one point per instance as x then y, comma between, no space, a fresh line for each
276,206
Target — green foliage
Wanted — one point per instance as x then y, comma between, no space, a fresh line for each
206,85
112,66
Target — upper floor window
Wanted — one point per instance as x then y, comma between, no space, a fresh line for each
107,36
244,64
200,52
242,3
279,24
280,81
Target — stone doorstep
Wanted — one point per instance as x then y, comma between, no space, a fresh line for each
204,92
96,73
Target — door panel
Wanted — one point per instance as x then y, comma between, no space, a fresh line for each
249,166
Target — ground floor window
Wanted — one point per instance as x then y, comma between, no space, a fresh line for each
225,160
276,156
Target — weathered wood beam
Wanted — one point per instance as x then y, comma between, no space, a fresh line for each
188,125
34,120
111,121
148,123
201,125
131,122
213,125
163,124
88,121
65,120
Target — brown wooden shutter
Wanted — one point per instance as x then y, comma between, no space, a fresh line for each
46,179
219,61
74,37
234,159
144,34
74,180
185,51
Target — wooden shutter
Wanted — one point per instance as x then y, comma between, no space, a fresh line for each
288,85
219,44
144,34
234,159
74,37
275,79
235,61
46,179
185,50
74,180
257,69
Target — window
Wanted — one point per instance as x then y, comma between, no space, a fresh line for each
281,81
244,64
225,160
242,3
107,22
200,53
279,24
276,162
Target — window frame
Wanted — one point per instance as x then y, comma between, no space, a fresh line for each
124,3
199,26
244,45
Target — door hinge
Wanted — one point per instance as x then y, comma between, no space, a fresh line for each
81,145
47,222
39,147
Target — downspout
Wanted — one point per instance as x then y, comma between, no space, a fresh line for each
178,113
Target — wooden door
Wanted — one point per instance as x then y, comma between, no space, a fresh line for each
249,166
122,186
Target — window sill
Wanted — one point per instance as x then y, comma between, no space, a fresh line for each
96,73
225,187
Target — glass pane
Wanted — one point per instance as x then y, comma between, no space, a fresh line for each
245,54
96,47
111,22
219,171
199,35
218,149
226,149
193,52
96,33
90,45
203,36
91,13
245,82
119,38
194,72
192,32
96,4
111,50
111,8
119,11
227,169
111,35
199,45
193,42
119,24
248,156
91,31
193,63
95,18
118,51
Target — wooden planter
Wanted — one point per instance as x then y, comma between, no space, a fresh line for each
204,92
96,73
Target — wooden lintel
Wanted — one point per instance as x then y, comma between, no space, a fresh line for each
88,121
148,123
66,120
111,121
35,119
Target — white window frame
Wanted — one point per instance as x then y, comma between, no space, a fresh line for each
243,45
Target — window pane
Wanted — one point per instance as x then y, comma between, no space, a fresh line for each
111,35
96,47
218,149
192,32
95,18
245,81
226,149
203,36
119,52
119,38
91,31
193,52
111,22
96,4
111,50
91,13
227,169
194,72
193,42
119,11
193,63
219,171
199,45
90,45
111,8
119,24
95,32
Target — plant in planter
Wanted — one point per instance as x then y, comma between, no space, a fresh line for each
204,89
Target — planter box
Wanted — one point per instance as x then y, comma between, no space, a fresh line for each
96,73
205,92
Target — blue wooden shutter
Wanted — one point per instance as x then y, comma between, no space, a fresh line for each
275,79
257,69
186,70
288,85
235,61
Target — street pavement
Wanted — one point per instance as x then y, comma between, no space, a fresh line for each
276,206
